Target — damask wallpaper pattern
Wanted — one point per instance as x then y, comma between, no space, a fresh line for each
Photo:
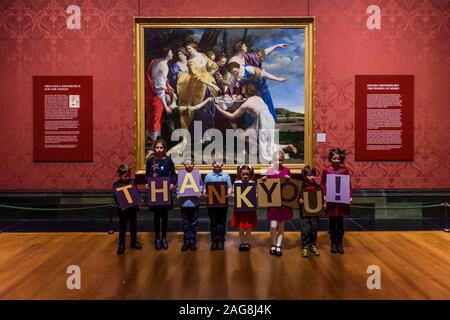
34,40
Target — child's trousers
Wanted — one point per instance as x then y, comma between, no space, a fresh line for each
336,229
309,227
190,223
217,223
128,216
160,221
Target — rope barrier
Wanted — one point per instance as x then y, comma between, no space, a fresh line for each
55,209
444,204
401,208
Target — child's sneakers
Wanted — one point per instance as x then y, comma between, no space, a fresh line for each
305,252
314,250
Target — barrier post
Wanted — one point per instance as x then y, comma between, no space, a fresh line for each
446,206
111,230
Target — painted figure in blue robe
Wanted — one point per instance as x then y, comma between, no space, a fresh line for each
245,73
258,76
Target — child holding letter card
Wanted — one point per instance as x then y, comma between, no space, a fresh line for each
218,214
310,214
278,215
189,189
160,165
336,211
127,207
244,220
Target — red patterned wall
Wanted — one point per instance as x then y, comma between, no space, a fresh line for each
34,40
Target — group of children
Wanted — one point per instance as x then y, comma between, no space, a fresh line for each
160,165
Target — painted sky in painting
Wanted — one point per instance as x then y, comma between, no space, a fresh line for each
287,63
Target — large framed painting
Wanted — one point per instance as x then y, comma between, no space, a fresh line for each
233,89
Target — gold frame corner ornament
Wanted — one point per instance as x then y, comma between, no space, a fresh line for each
306,23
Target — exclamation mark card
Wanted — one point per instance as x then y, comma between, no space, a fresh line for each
338,188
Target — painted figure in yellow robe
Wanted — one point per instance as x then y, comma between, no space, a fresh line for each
198,85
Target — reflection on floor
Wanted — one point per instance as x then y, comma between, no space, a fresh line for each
413,265
145,224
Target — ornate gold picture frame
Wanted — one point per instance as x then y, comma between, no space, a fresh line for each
282,66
